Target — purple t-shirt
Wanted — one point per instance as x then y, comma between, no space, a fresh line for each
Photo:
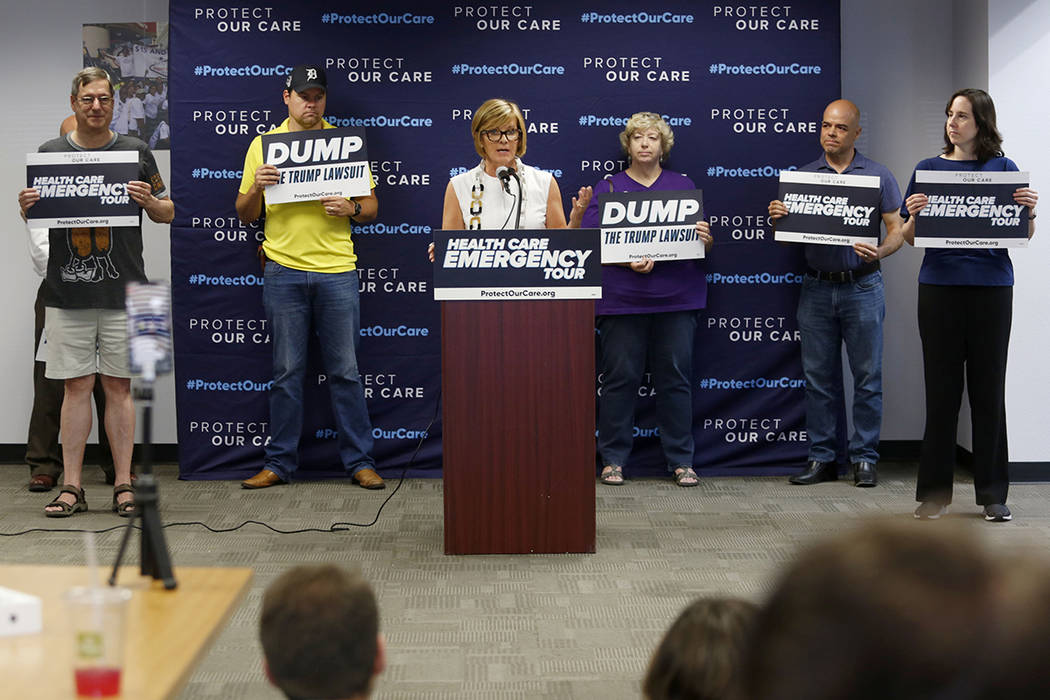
673,285
985,267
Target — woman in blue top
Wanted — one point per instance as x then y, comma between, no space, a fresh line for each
965,307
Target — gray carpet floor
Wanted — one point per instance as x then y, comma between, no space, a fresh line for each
566,626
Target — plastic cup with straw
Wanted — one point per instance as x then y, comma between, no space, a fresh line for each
97,615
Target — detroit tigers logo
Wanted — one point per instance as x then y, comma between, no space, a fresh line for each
311,74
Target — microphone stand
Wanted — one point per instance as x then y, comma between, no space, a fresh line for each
504,174
149,333
517,215
154,558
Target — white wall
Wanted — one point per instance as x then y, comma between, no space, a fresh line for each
970,52
970,61
40,43
1018,49
899,73
900,62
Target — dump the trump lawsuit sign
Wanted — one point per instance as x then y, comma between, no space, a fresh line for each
742,85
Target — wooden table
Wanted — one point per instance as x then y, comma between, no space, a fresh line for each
167,631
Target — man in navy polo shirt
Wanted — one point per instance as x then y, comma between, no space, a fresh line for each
842,301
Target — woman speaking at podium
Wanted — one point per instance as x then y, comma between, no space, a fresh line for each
647,317
485,197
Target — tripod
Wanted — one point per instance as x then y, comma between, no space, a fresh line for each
155,560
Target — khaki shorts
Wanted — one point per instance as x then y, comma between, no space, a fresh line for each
85,341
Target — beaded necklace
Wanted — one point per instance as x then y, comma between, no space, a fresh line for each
478,189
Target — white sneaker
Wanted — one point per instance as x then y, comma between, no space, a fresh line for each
928,510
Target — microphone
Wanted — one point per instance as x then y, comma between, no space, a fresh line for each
148,306
505,174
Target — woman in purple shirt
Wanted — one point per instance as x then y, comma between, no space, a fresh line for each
965,309
647,317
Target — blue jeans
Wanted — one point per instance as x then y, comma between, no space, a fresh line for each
830,314
298,302
666,339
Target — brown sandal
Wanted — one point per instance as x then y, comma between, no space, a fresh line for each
127,508
685,476
65,509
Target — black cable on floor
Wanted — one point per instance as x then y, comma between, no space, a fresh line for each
334,527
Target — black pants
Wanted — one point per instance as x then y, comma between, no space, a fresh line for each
965,330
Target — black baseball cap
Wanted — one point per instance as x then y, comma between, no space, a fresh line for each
306,77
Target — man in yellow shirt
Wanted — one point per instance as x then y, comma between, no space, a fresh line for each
311,285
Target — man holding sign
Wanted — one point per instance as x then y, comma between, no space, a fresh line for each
88,268
842,301
311,285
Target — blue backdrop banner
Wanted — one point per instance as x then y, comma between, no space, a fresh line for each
742,86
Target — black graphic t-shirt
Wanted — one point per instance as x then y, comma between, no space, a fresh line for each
87,267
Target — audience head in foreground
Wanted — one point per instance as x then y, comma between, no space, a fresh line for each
887,611
701,654
319,628
1016,660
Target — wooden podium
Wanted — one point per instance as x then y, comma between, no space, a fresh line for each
517,384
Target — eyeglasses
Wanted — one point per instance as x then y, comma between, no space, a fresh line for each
496,135
103,100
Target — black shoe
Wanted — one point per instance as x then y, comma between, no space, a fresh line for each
997,513
816,472
864,474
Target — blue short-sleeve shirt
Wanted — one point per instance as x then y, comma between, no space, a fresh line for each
986,267
836,258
